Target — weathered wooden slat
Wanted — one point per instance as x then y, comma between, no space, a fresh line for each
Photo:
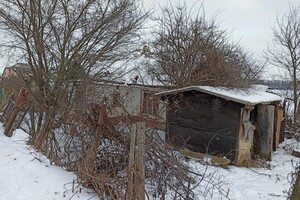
278,126
296,153
213,160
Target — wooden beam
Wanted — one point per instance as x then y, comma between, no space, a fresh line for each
214,160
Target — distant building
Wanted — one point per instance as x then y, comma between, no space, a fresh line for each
126,102
17,70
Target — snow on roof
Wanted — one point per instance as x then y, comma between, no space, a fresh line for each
250,96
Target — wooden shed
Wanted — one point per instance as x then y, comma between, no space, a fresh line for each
239,124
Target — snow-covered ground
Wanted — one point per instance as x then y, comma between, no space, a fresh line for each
265,183
28,175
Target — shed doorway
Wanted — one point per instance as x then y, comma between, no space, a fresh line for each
262,117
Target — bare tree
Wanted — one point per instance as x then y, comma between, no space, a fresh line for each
189,49
68,41
285,49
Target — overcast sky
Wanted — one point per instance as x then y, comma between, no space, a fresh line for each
249,21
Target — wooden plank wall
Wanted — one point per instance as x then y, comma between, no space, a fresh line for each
204,123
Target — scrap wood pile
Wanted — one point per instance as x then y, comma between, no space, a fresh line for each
14,112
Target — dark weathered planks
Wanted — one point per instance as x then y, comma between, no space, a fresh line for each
204,123
265,130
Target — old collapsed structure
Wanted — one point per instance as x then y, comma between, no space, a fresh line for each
123,100
233,123
237,124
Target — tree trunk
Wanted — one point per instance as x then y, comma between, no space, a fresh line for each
295,97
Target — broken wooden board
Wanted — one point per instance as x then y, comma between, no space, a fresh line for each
213,160
20,102
296,153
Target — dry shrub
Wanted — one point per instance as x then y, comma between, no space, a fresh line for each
190,49
97,149
294,178
166,170
99,154
106,169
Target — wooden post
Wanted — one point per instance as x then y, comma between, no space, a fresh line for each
278,125
136,185
296,188
98,134
18,105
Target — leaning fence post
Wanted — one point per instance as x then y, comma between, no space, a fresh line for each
18,105
136,185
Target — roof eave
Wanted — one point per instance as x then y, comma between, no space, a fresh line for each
195,88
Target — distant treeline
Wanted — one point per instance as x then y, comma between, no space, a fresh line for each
276,84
